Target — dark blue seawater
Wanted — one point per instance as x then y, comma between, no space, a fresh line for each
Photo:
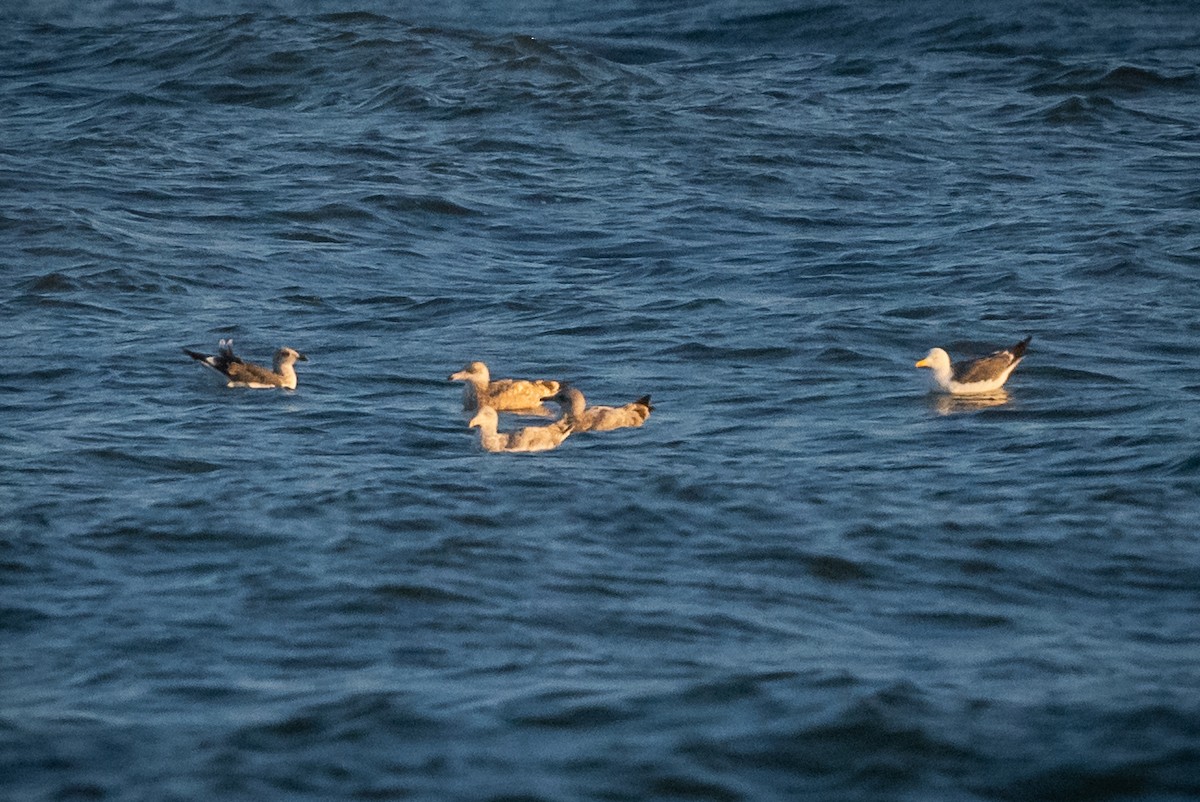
804,578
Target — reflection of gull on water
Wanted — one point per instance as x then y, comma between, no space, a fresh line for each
984,375
531,438
946,404
509,395
244,374
599,419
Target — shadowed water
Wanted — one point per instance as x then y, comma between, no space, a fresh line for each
804,577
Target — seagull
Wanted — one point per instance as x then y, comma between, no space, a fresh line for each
984,375
531,438
599,419
509,395
244,374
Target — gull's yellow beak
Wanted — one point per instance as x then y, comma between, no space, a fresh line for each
924,363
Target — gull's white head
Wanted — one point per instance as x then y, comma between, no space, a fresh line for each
288,356
937,359
475,372
485,419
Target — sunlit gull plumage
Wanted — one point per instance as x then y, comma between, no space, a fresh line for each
985,375
508,395
244,374
531,438
599,419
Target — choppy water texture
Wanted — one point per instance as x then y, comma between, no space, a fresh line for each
803,578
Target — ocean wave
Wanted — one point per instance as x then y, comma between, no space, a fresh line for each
1121,80
799,578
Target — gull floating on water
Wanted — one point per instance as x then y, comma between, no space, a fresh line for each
599,419
509,395
531,438
244,374
985,375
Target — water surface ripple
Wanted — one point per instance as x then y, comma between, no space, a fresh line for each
803,578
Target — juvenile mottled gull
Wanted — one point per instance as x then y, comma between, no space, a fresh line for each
984,375
531,438
244,374
509,395
599,419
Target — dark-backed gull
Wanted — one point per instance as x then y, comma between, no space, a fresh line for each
245,374
984,375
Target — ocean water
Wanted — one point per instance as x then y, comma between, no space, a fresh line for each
804,578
